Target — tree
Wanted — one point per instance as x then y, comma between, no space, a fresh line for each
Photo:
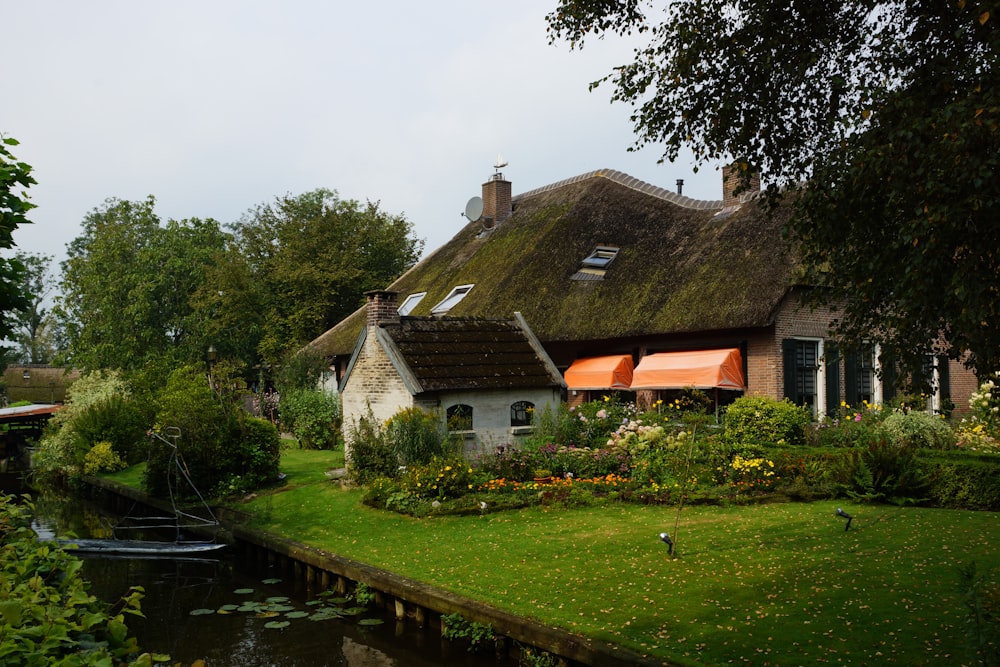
128,284
312,257
15,179
35,331
877,121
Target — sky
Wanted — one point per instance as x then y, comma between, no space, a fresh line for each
216,107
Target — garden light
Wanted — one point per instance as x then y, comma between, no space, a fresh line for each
670,543
842,513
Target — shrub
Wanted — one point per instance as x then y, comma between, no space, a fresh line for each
885,469
102,457
416,436
764,421
118,421
62,448
919,429
439,479
981,431
370,455
259,451
312,416
207,433
587,425
49,615
961,480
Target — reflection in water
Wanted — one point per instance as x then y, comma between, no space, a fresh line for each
174,588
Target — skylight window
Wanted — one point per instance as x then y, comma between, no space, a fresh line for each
600,258
596,263
456,295
410,303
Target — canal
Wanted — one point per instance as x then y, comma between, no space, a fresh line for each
215,611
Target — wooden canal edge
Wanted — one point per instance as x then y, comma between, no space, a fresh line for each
413,601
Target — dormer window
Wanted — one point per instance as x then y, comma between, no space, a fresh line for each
456,295
596,263
410,303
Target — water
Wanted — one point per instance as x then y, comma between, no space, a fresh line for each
175,588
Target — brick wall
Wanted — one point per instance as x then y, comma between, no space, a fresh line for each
373,382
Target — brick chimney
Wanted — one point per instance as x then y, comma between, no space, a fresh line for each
381,307
496,198
731,176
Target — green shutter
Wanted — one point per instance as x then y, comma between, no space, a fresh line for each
788,368
888,380
851,363
831,357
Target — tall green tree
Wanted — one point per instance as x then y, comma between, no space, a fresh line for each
878,120
312,257
35,331
127,287
15,179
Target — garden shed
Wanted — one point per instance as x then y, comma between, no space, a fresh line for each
484,377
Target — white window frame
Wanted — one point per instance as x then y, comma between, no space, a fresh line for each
454,296
877,393
409,303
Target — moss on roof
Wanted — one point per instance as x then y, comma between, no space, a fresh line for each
678,269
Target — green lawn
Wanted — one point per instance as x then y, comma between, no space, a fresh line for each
779,584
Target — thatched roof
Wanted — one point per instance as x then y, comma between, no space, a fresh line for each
682,265
469,353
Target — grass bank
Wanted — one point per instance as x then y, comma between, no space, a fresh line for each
778,584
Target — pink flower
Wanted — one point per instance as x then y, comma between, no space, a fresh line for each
857,417
602,414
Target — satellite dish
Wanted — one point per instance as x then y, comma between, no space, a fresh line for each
474,209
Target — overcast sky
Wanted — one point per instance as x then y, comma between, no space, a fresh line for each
214,107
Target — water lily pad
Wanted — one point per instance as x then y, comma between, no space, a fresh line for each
202,612
267,614
160,657
325,615
276,625
271,582
247,608
277,598
313,603
226,608
279,608
243,591
296,614
371,621
354,611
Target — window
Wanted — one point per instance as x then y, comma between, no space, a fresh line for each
804,373
520,413
459,417
456,295
594,265
600,258
868,387
410,303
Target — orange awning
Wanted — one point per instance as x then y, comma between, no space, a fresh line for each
614,372
702,369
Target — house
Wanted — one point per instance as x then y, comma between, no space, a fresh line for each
607,269
485,377
38,383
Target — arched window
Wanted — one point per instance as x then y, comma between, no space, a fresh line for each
459,417
520,413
